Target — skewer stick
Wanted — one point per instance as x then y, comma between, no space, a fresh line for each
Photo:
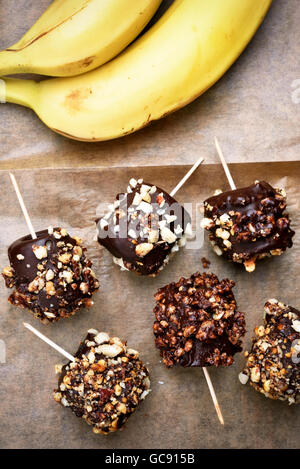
223,161
33,235
49,342
186,177
213,395
22,205
205,371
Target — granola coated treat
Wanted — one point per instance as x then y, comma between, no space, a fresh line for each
105,384
197,322
248,224
273,364
50,275
144,228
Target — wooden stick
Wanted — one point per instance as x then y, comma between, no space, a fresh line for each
22,205
223,161
213,396
205,371
49,342
186,177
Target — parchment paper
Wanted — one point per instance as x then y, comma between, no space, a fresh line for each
179,412
253,109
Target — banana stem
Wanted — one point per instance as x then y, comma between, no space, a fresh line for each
11,62
14,90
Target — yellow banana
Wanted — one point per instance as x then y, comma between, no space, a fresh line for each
75,36
179,58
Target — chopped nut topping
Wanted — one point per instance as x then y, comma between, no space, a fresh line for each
170,218
243,378
8,272
109,350
167,235
40,252
65,258
207,223
36,285
145,207
296,325
153,236
49,275
102,389
197,322
137,199
68,276
143,249
50,289
53,290
146,197
249,265
248,224
275,373
146,211
84,287
101,338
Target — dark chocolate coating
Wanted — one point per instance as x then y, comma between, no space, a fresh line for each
125,247
24,246
204,353
197,322
68,296
273,364
103,388
25,275
258,205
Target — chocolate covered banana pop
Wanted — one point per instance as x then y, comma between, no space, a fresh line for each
273,364
50,275
247,224
48,271
144,228
197,322
105,383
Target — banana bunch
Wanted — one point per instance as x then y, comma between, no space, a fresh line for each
175,61
75,36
